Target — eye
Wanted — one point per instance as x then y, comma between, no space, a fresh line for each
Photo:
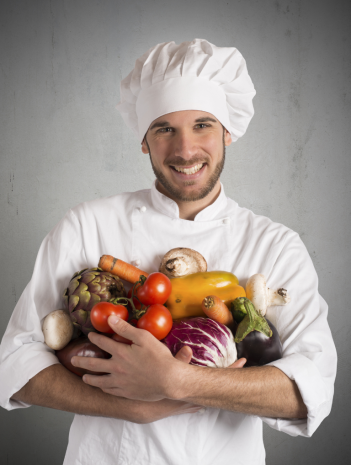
202,125
163,130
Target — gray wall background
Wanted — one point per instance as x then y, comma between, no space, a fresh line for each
62,142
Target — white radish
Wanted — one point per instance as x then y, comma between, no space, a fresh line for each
57,329
261,296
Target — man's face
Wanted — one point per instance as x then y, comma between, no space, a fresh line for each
187,150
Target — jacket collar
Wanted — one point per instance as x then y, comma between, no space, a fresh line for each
168,207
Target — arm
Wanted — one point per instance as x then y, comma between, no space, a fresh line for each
263,391
56,387
256,391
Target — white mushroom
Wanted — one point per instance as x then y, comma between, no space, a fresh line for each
57,329
181,262
261,296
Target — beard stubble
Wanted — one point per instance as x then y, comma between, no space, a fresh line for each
176,193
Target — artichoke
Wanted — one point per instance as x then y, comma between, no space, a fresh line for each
87,288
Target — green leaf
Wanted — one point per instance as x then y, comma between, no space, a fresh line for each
88,277
84,299
81,288
94,299
80,316
72,302
94,287
74,283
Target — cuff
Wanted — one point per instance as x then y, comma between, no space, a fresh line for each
19,368
316,394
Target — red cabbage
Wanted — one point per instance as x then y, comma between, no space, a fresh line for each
212,343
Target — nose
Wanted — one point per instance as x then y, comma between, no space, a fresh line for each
185,145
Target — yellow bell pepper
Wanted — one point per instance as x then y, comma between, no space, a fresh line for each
189,291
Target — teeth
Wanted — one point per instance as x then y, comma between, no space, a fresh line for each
192,170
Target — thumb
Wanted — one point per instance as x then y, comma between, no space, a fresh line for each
124,329
238,364
184,354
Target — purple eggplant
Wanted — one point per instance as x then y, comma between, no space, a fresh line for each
256,337
260,349
84,348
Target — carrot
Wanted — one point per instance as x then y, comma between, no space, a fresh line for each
121,269
216,309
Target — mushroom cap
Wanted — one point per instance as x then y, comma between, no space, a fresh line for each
57,329
182,261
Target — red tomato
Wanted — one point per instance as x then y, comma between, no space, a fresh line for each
155,290
100,313
157,320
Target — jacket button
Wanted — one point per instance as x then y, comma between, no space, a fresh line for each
226,221
143,209
137,262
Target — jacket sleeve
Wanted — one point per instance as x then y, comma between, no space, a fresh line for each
309,355
23,352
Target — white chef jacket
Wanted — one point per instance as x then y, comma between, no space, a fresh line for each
140,228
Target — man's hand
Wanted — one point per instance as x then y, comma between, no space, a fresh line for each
137,371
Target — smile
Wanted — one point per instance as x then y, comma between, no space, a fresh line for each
192,170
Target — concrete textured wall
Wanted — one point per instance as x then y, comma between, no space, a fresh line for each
62,142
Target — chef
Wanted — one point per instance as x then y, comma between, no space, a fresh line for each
186,103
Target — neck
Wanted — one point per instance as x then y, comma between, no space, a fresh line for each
188,210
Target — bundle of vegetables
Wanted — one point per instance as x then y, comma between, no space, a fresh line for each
146,301
149,293
192,294
212,343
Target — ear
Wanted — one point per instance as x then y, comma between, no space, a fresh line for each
227,138
144,147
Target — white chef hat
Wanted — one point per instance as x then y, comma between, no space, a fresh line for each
194,75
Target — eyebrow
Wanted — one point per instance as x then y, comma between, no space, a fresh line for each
162,124
205,120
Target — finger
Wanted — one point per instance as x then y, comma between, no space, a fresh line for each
118,338
107,343
102,382
184,354
114,391
238,364
125,330
91,363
